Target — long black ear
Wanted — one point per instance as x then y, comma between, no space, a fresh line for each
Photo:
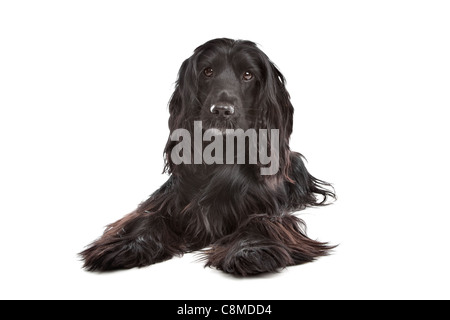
184,99
277,112
180,96
279,97
176,110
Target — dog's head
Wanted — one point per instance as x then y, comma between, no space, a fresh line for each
229,79
231,84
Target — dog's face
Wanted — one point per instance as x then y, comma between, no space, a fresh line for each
228,82
231,84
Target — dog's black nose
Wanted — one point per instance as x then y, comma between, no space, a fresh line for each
222,110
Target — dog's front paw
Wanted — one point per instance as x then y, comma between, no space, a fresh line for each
108,256
120,254
246,259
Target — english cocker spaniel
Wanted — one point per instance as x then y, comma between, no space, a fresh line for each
234,183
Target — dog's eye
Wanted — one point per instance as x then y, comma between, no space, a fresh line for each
208,72
247,76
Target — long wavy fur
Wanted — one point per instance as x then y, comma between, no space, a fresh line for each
243,219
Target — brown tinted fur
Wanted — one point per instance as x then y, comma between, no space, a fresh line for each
245,218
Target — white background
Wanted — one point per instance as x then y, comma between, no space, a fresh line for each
84,87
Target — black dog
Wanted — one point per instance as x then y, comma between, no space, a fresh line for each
243,217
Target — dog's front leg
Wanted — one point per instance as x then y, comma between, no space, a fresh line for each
264,244
141,238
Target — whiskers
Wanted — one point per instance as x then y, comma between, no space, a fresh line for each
221,124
